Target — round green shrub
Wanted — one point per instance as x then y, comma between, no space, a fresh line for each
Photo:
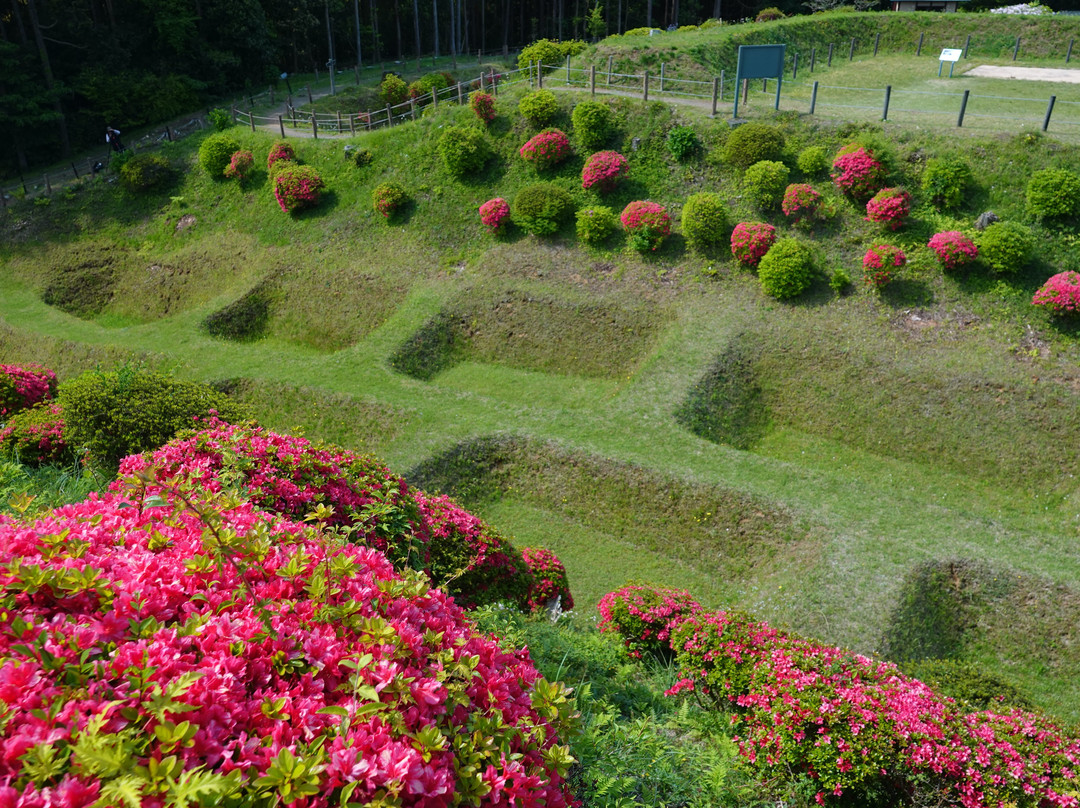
420,90
549,52
539,108
362,158
463,150
111,414
144,171
215,153
765,183
387,198
751,143
596,224
786,270
1054,193
592,124
393,90
1006,246
541,208
683,143
769,14
945,180
705,221
813,161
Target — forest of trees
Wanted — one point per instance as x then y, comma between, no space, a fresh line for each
69,67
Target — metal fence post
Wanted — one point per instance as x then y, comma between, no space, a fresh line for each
967,44
592,79
1068,53
715,93
851,53
830,54
813,58
567,69
1049,112
609,59
1016,50
645,87
795,67
877,41
918,50
885,109
539,74
813,98
663,68
963,108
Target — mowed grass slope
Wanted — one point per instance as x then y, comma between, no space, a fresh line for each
932,422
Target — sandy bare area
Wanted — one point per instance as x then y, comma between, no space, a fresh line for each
1028,73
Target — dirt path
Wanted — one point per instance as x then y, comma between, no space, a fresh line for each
1026,73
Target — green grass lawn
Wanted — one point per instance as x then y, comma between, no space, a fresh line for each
933,421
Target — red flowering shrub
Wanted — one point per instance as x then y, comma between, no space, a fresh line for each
647,224
750,241
387,197
1060,294
857,726
297,187
546,149
483,106
292,477
548,580
802,204
880,264
856,172
240,165
890,207
35,436
23,386
495,214
604,170
281,150
187,649
644,616
953,249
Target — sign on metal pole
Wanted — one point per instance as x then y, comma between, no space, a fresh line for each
950,55
760,62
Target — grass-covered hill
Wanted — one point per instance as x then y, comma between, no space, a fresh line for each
876,469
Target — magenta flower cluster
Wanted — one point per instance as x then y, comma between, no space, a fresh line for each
856,172
604,170
856,725
495,214
548,580
183,647
483,106
646,223
802,203
281,150
35,436
953,249
880,264
890,207
23,386
240,165
298,187
644,616
750,241
1060,294
546,149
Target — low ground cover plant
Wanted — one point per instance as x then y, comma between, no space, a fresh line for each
786,270
387,198
603,171
750,241
1060,295
880,264
953,249
298,187
546,149
647,224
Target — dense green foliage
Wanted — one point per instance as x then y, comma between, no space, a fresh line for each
786,270
592,124
215,152
751,143
596,224
705,221
765,183
464,150
145,171
1006,246
539,108
1054,193
541,208
946,181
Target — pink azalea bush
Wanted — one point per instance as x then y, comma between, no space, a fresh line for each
548,580
240,165
880,264
298,187
281,150
23,386
647,224
857,726
802,204
1060,294
495,214
890,207
35,436
546,149
483,106
750,241
185,648
604,170
292,477
644,615
953,249
856,172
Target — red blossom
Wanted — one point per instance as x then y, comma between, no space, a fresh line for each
646,223
603,171
890,207
751,240
1060,294
23,386
856,172
495,214
953,249
880,263
546,149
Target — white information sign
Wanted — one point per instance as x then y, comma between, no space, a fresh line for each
951,54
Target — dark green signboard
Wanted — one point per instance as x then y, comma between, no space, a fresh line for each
759,62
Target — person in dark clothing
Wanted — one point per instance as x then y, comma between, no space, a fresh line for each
112,137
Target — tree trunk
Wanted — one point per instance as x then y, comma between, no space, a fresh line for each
359,49
648,14
506,27
435,21
397,22
716,10
46,67
18,22
416,28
